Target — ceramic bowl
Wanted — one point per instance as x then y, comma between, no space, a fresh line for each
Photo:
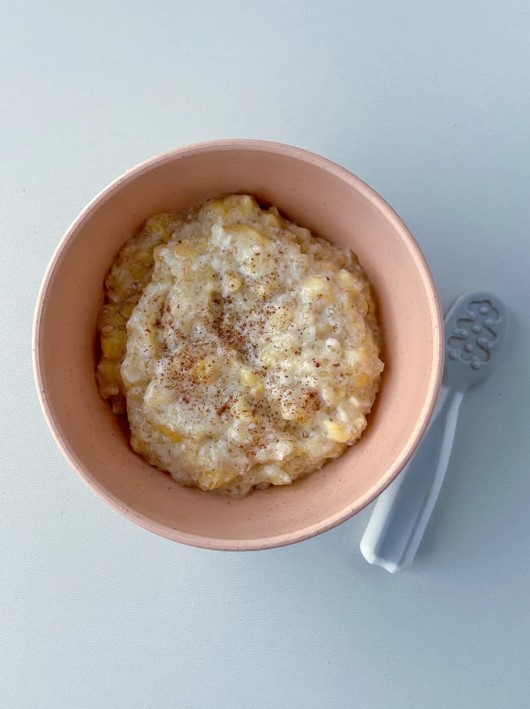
313,192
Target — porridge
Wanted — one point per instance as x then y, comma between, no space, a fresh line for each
243,349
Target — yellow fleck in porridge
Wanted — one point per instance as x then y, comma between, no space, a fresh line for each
243,348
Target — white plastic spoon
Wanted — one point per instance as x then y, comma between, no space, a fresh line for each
474,330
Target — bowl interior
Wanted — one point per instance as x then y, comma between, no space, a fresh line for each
316,194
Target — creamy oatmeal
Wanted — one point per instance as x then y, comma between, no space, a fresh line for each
243,348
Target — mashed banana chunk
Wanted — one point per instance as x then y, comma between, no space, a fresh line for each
243,348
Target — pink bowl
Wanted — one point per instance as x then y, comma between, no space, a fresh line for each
319,195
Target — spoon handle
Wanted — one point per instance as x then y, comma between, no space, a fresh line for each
402,512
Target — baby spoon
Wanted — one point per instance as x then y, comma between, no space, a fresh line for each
475,329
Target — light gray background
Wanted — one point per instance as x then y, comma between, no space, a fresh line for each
429,103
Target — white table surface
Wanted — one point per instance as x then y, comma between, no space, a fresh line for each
429,102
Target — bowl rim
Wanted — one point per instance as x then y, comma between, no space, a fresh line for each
407,450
